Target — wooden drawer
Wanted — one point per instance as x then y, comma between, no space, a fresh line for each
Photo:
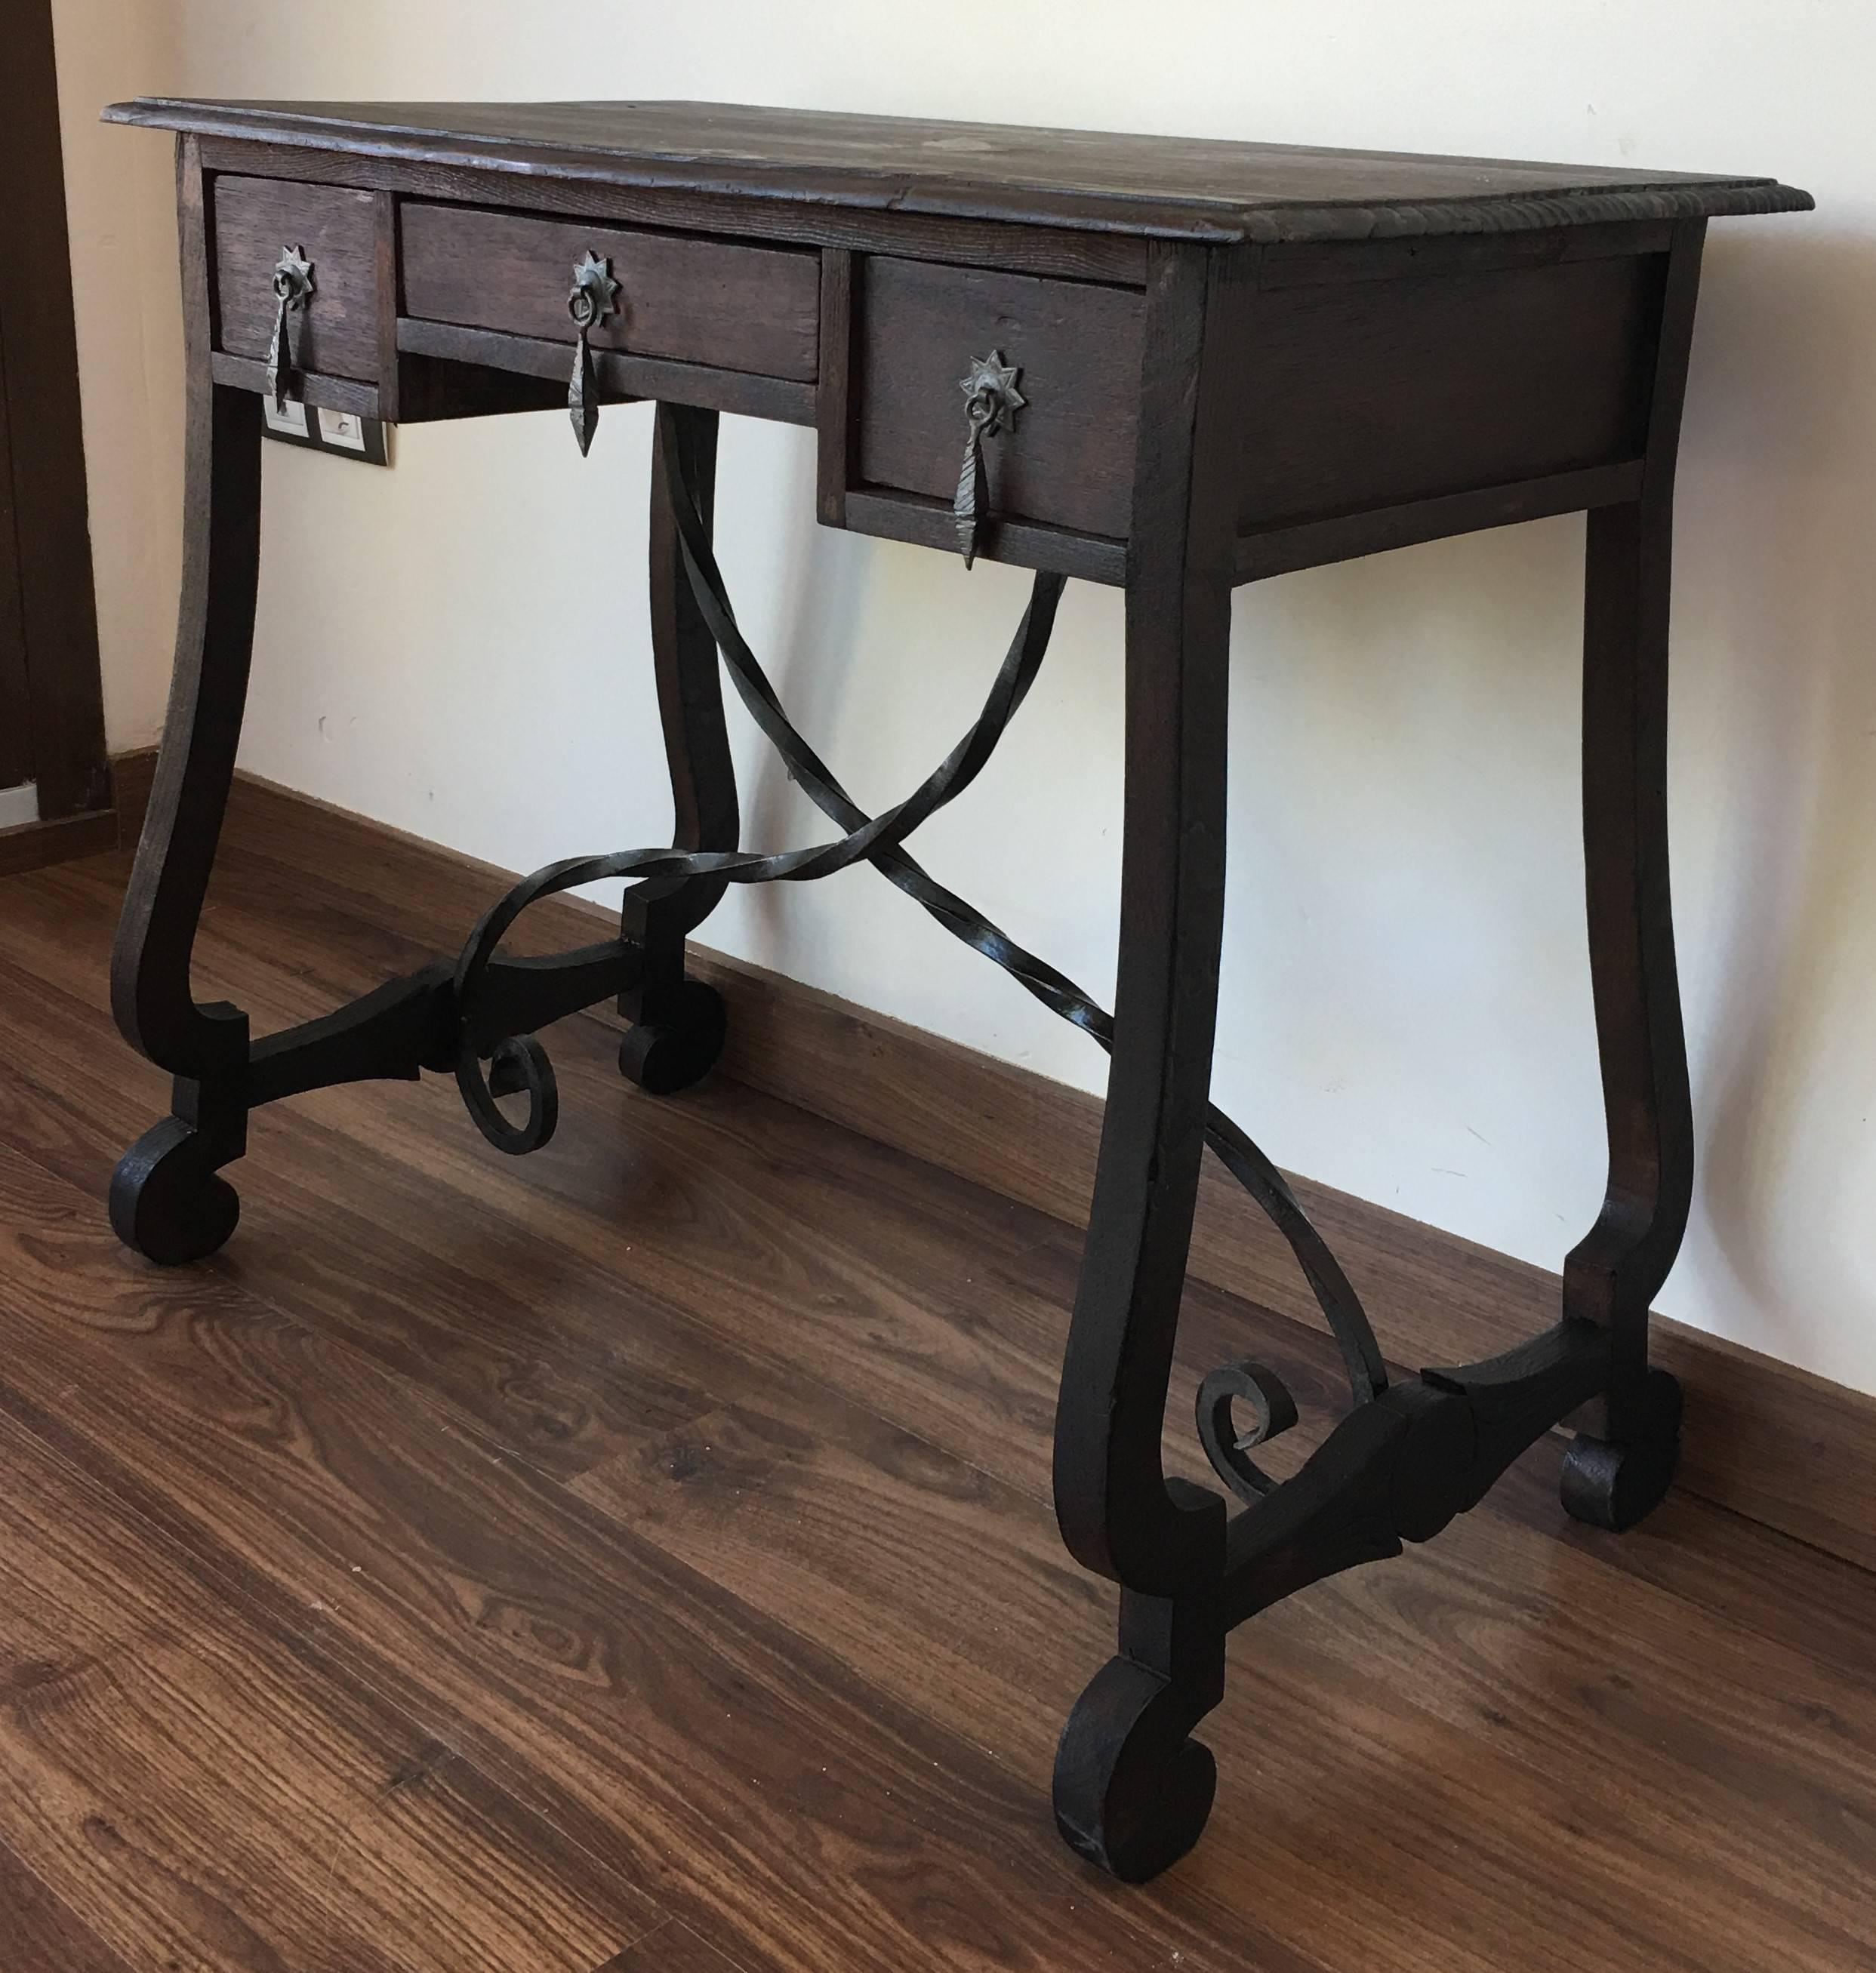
723,305
1068,460
337,336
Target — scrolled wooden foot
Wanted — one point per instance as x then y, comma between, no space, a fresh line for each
1614,1485
667,1054
167,1202
1132,1789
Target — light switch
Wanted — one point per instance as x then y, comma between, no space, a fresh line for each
288,420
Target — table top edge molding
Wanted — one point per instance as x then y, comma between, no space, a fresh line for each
1196,203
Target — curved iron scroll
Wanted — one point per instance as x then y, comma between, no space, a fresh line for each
877,840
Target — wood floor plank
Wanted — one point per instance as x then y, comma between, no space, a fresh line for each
1038,1561
675,1949
771,1797
533,1344
39,1934
867,1544
1788,1450
688,1484
197,1796
522,1272
739,1210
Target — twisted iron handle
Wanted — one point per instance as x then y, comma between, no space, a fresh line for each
292,288
593,296
990,397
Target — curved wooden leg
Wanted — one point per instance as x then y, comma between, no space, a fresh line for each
1614,1473
150,994
166,1201
1620,1468
1132,1789
678,1027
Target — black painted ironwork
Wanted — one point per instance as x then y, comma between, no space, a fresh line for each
991,400
292,288
1227,1447
1406,1457
878,840
594,297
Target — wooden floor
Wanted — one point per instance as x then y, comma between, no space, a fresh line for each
639,1556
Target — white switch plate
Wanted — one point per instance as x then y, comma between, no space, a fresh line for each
320,430
343,429
288,420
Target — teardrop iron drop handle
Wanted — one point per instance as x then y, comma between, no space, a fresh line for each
974,492
991,398
593,296
292,288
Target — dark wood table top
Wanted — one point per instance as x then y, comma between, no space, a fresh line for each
1170,187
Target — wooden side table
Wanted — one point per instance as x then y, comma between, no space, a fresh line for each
1170,365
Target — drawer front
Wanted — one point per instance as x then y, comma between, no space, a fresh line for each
732,307
337,334
1068,459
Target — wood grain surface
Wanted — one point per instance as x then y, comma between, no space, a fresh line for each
1764,1439
1035,250
1107,181
335,334
1372,394
1067,456
31,846
640,1556
731,306
621,377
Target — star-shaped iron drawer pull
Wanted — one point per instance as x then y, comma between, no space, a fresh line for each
991,392
990,396
594,296
292,288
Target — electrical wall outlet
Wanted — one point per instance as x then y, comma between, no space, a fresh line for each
343,433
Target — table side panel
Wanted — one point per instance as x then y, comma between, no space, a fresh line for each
726,304
1069,459
254,218
1375,394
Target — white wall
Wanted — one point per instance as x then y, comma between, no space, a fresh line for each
120,202
458,646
